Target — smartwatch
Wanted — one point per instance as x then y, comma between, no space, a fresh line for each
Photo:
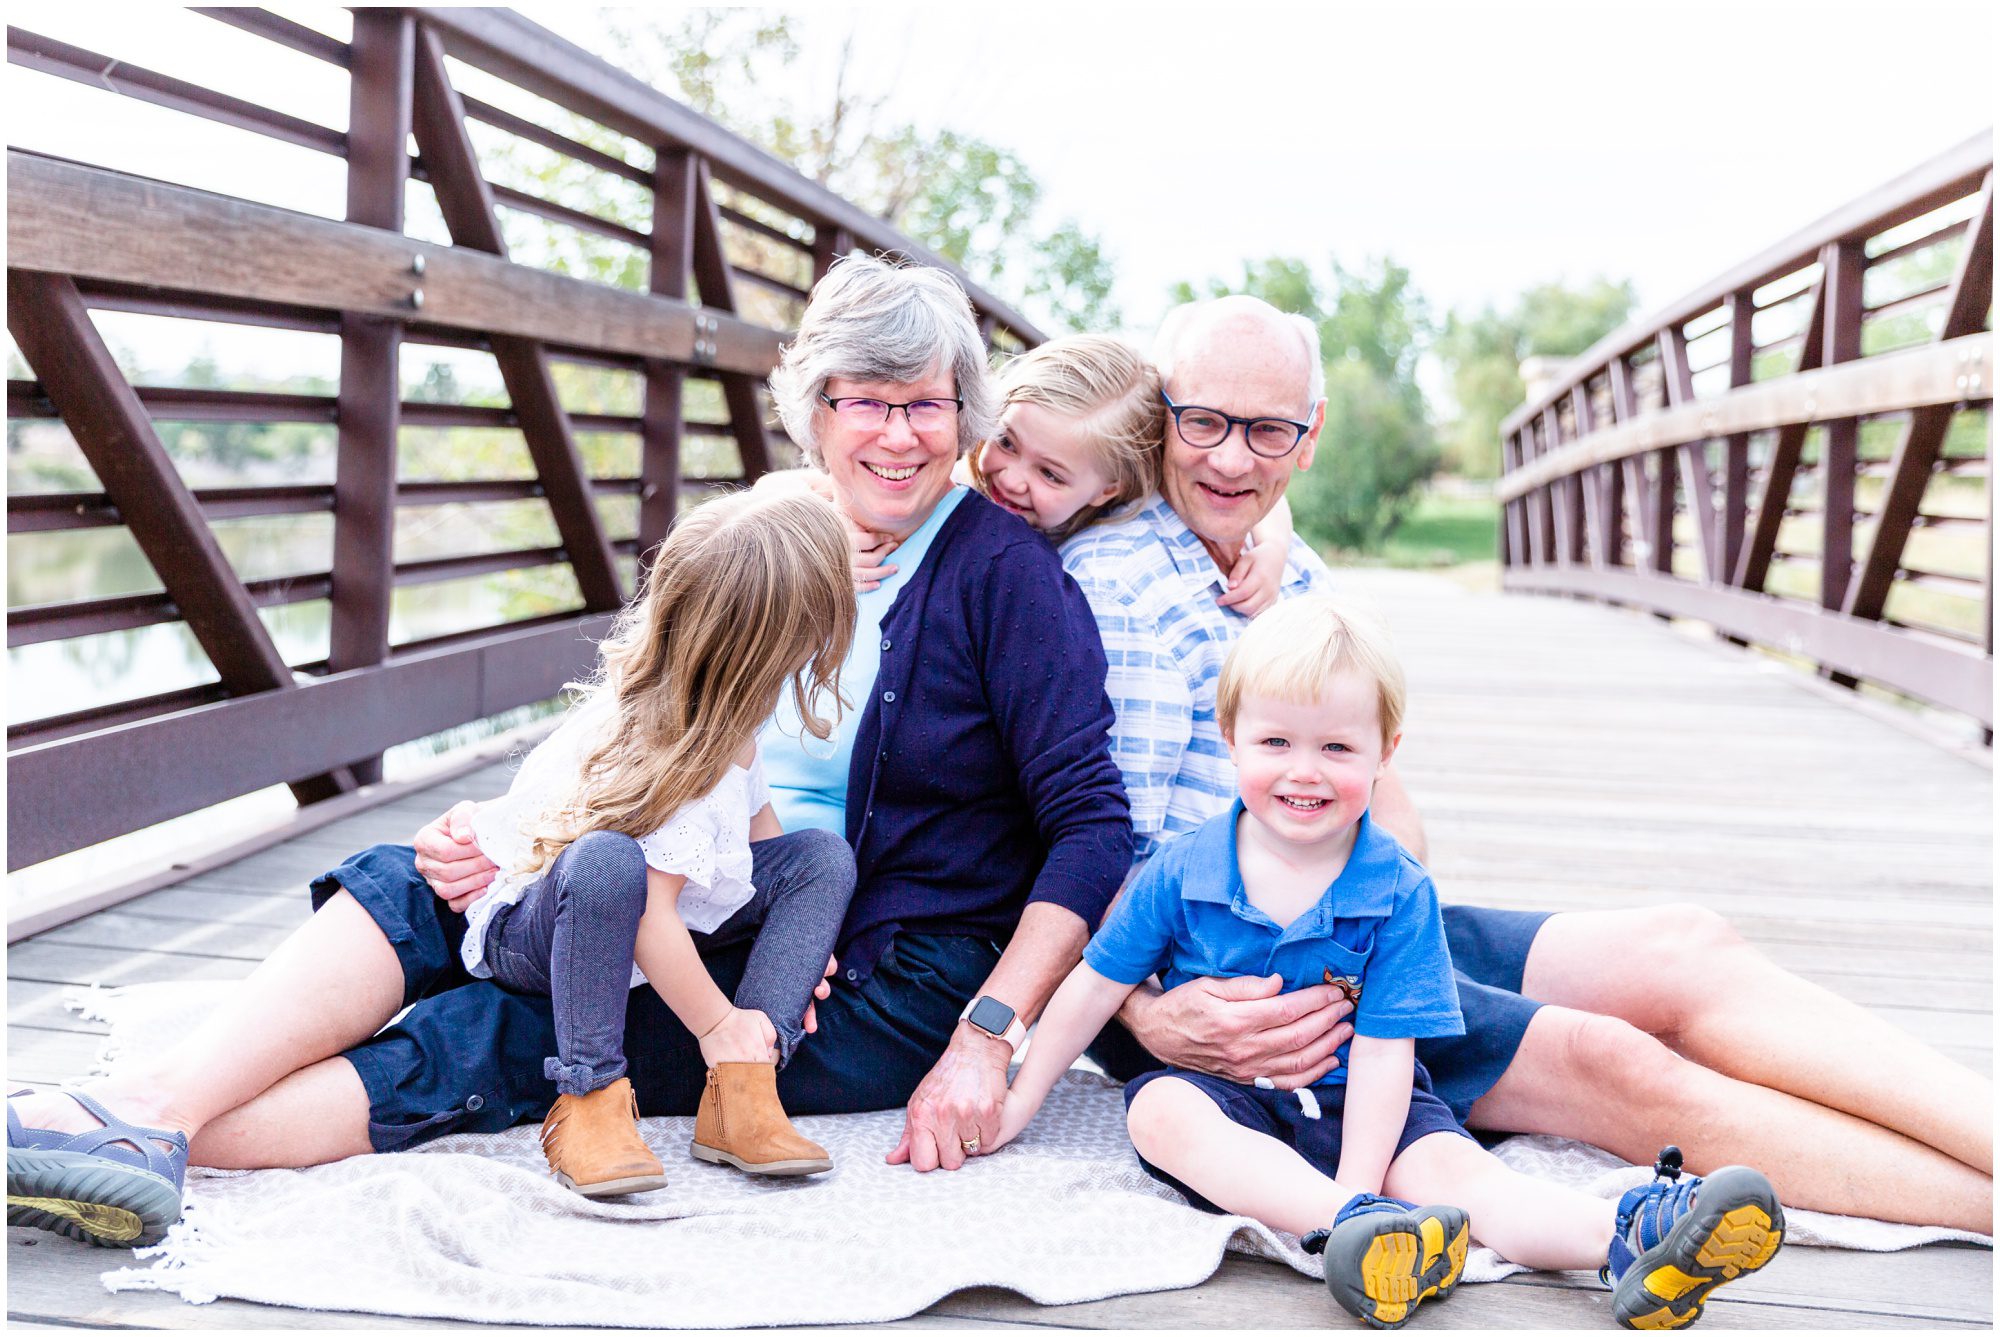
994,1017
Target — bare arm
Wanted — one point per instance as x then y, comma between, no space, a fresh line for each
1379,1076
1396,813
666,952
1081,1006
1259,573
961,1097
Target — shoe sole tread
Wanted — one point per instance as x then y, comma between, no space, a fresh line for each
1736,1227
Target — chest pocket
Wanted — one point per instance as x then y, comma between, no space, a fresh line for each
1328,962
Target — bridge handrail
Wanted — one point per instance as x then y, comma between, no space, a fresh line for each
1663,468
734,240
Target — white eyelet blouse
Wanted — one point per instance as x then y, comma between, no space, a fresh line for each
707,841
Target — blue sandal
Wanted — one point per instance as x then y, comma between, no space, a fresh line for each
118,1185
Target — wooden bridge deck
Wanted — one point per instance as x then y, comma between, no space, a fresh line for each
1565,756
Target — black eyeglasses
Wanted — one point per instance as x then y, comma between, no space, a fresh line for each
919,413
1205,429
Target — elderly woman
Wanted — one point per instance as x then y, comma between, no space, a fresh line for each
972,777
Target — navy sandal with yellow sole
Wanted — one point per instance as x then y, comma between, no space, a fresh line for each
118,1185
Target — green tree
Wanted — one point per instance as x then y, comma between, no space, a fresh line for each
974,202
1377,449
1482,354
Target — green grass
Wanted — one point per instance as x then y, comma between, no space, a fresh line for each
1445,531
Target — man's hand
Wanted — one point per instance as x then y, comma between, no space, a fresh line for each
450,861
959,1101
1244,1028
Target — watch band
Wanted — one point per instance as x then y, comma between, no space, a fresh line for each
1012,1031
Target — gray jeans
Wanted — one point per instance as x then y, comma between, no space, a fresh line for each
570,939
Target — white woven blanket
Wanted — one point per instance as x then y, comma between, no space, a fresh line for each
472,1227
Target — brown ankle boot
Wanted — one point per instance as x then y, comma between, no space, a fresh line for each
594,1147
741,1123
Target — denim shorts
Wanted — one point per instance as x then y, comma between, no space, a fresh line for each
1282,1115
466,1055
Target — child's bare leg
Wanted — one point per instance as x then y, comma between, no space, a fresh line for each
1177,1127
1526,1220
328,987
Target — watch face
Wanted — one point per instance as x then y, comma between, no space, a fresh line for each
992,1016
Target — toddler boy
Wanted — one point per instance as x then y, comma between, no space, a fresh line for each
1295,879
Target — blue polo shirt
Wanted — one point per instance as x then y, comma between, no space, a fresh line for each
1187,916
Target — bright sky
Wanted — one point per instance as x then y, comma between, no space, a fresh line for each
1487,147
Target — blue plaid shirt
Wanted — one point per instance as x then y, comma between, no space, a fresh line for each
1152,587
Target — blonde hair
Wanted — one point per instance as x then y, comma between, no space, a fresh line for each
1291,649
1108,389
748,593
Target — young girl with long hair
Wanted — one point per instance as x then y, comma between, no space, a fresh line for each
624,842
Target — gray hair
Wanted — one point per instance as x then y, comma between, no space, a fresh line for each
869,320
1174,328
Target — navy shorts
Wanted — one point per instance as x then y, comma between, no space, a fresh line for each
1280,1114
1489,950
466,1057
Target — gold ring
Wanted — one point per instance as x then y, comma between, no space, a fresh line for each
971,1145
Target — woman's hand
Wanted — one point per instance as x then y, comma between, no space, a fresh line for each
958,1101
742,1035
450,861
1255,579
824,989
1243,1028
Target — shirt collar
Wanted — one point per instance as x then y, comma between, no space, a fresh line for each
1184,547
1365,889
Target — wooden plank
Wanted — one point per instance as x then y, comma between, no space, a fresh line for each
1957,679
330,719
1886,383
39,1004
44,1054
59,963
142,933
92,223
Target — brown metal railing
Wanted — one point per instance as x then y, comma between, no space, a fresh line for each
725,215
1798,454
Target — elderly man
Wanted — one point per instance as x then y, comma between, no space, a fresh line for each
1578,1024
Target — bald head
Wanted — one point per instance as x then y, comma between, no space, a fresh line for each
1208,329
1241,359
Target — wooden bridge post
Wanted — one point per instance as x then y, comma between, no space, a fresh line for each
1844,262
381,68
660,430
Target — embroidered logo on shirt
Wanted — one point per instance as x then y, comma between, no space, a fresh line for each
1349,986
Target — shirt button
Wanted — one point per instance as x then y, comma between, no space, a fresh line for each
885,643
853,974
888,696
475,1103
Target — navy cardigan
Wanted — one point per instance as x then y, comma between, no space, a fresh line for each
982,778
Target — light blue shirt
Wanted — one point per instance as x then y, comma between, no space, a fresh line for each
807,775
1153,586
